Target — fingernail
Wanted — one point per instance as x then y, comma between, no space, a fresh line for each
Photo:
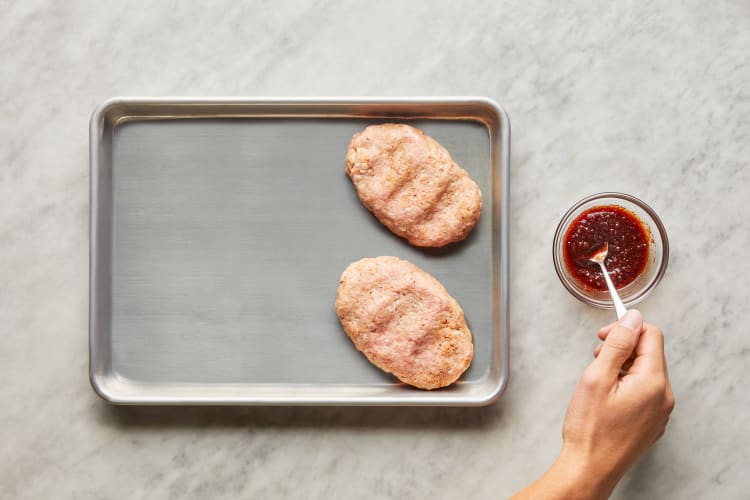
632,320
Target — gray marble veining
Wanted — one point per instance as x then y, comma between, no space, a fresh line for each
646,98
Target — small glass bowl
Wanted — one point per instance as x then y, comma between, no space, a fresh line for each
658,255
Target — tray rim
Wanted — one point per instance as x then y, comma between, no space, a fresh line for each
110,387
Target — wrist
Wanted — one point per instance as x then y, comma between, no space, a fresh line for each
585,477
573,476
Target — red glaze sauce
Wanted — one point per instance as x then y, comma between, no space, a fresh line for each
628,246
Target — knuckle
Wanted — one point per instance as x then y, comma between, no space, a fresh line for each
656,391
620,345
670,402
590,379
662,386
621,340
670,406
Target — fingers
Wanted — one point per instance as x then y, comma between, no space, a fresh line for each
620,342
627,364
625,367
604,331
597,350
649,352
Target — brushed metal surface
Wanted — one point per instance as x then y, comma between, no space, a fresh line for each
220,228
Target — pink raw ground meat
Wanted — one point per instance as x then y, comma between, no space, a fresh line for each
409,182
404,321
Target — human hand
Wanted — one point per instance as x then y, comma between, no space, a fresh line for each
621,405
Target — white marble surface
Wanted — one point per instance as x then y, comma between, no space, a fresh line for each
651,98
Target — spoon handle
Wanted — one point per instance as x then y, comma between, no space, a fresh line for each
619,306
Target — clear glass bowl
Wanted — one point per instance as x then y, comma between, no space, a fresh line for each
658,255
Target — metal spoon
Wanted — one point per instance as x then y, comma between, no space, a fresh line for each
598,257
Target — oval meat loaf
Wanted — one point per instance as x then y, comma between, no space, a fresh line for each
409,182
404,321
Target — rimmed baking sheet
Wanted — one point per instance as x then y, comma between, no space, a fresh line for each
220,228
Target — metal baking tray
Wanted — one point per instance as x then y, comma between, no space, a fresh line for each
220,228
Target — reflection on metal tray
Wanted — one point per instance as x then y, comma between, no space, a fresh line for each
219,231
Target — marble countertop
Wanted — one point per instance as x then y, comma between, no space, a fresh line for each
630,96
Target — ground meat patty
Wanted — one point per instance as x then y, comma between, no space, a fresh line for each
412,185
404,321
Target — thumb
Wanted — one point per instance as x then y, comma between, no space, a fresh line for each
620,343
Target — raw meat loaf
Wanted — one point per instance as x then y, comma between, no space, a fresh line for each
404,321
411,184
